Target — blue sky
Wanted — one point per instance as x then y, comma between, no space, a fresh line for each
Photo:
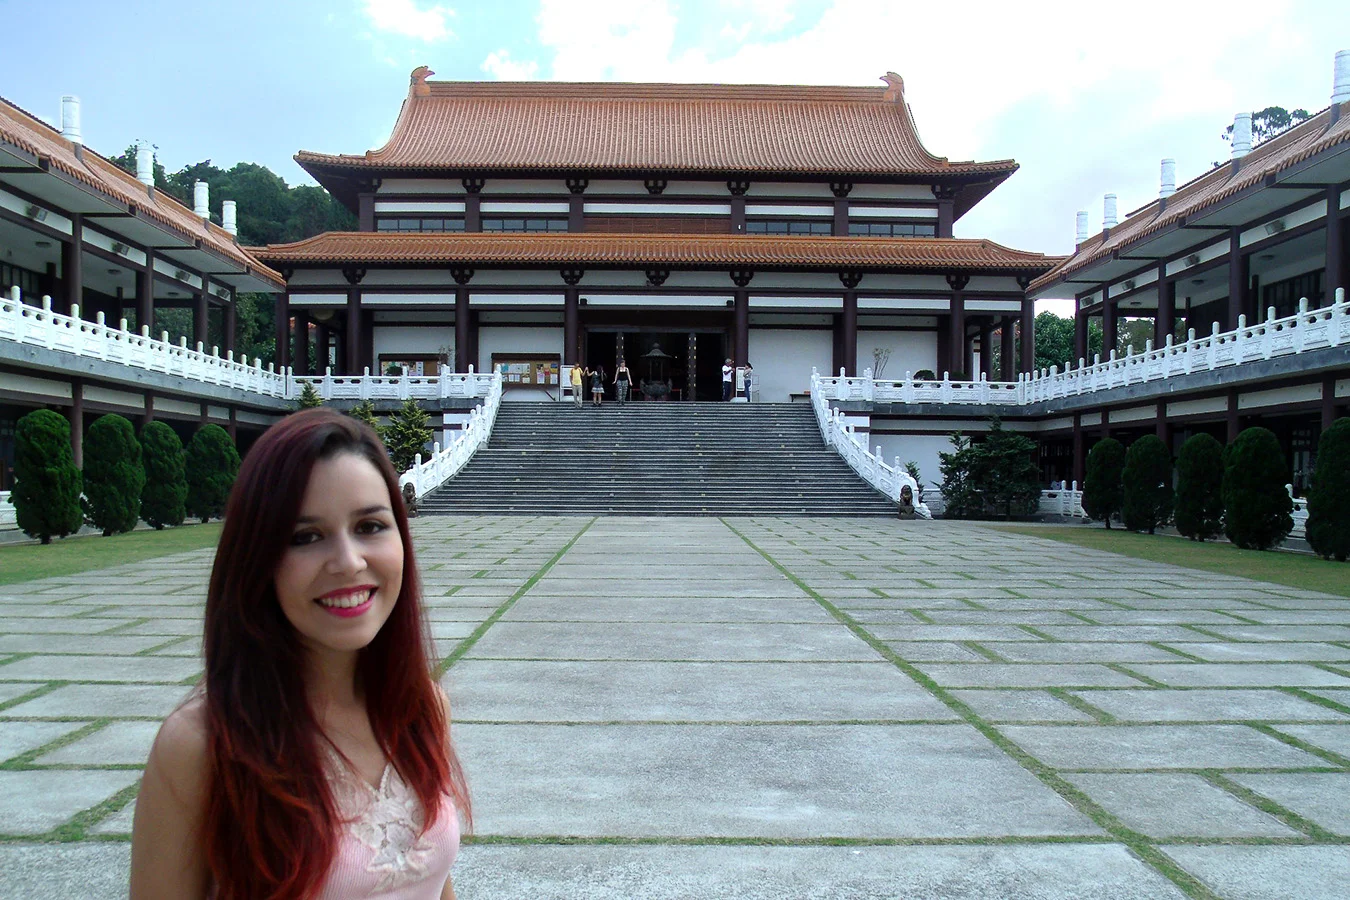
1087,97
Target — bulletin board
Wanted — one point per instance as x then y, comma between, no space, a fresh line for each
529,370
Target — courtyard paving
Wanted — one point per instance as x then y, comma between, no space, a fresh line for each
768,708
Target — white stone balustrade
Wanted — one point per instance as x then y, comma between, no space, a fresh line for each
8,518
42,327
1306,330
869,465
1062,502
425,477
1299,514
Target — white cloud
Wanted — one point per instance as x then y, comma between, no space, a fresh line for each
406,19
1086,98
501,66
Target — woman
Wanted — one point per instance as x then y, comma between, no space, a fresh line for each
315,759
597,386
621,382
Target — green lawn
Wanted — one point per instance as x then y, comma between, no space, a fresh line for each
67,556
1292,569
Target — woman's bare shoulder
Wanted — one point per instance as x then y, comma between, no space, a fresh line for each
181,747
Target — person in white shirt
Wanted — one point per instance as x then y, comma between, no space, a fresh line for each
727,373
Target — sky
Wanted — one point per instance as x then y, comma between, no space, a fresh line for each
1087,97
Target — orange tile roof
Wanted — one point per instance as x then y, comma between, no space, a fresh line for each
36,138
1294,146
620,127
676,251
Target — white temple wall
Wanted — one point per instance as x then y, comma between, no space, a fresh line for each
414,340
920,448
910,351
783,359
519,339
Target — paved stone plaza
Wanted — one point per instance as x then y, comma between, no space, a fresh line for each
770,708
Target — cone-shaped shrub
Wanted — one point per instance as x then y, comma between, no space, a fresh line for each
309,397
1199,501
1102,491
407,434
113,475
163,500
365,412
1329,498
1146,481
1256,505
47,485
212,463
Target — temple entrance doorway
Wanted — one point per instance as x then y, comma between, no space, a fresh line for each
665,364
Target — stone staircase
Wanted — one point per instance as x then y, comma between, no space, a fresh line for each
667,459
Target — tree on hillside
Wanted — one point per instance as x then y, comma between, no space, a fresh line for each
1269,122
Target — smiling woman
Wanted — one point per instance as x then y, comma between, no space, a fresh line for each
316,761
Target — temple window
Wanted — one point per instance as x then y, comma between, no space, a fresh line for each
892,229
770,226
524,224
419,224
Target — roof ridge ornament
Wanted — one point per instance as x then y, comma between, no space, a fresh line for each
418,82
895,88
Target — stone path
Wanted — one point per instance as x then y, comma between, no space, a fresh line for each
766,708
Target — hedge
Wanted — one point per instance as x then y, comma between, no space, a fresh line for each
1199,500
164,498
1329,498
113,475
47,484
1256,505
1102,490
1146,483
212,464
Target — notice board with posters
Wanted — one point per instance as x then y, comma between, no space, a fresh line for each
529,370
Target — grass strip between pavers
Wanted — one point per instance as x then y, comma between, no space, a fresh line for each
1289,569
466,645
73,555
1138,843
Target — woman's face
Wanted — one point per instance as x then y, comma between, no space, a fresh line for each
338,580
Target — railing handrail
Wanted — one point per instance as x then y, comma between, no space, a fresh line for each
444,464
840,435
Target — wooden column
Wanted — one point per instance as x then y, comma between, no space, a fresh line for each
473,203
149,415
462,359
233,427
1328,401
840,216
738,189
72,266
354,343
1335,274
1234,422
301,359
1007,364
571,325
1166,320
1161,428
145,294
322,341
1109,313
742,341
77,421
1239,268
956,327
987,348
1028,334
231,323
576,206
946,209
1106,423
849,336
365,211
1079,461
1080,335
200,332
281,312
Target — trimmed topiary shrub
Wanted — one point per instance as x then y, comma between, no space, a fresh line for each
1102,490
212,462
1146,483
1199,499
164,497
113,475
1329,497
1256,505
47,484
407,435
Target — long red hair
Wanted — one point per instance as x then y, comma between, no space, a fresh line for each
271,825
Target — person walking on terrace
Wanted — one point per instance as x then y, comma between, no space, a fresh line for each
314,758
728,373
622,378
578,375
597,386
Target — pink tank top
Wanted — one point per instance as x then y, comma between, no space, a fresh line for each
383,852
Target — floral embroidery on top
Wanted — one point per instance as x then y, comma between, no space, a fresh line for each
389,821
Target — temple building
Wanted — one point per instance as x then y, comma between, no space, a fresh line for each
539,224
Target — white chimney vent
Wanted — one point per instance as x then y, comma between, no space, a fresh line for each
70,119
1242,135
227,217
201,205
1168,183
1340,83
145,164
1109,219
1082,225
